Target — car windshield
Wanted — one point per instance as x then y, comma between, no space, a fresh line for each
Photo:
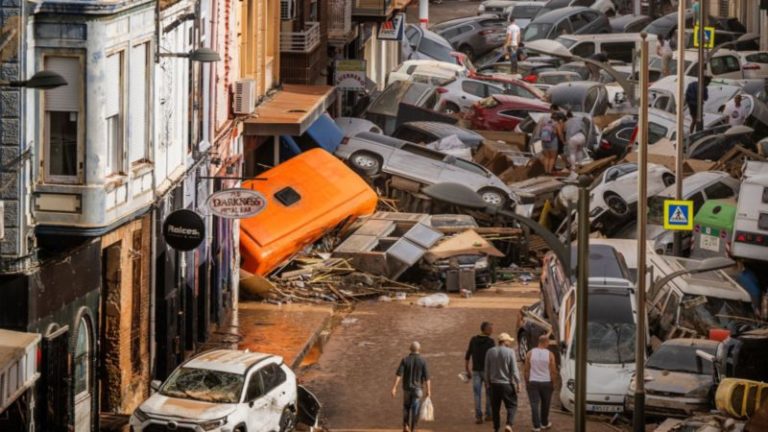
204,385
681,358
567,42
525,11
703,313
610,329
536,31
436,50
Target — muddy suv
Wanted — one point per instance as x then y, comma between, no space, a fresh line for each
227,390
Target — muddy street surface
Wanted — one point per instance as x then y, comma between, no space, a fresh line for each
354,375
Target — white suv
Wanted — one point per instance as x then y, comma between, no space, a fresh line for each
225,391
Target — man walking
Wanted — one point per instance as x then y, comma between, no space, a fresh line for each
413,373
540,371
513,43
736,111
478,347
502,376
692,100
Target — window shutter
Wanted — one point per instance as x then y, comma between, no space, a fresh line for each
137,102
112,91
64,98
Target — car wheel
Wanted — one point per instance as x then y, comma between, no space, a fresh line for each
616,204
668,179
451,108
367,163
523,344
467,51
287,420
493,196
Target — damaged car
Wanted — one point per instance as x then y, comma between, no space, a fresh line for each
227,390
678,382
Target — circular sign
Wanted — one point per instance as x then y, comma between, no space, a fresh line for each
236,203
183,230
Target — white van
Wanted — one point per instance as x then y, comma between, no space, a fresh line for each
751,222
616,46
409,67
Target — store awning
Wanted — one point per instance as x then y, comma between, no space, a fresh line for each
290,111
18,364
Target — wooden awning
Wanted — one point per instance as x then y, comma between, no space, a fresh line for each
290,111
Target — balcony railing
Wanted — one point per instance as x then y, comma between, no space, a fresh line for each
340,21
372,8
301,42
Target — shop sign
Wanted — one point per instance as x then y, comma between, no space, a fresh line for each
236,203
350,75
392,30
184,230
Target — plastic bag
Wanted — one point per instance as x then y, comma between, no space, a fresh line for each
434,300
427,412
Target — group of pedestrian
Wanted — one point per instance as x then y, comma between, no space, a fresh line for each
493,369
562,135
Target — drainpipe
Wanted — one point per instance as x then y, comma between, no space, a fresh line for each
424,13
152,287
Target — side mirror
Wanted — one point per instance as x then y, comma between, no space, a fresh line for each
155,385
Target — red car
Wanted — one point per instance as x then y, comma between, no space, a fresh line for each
503,112
526,88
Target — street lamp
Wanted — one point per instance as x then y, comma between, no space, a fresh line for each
43,80
697,266
202,55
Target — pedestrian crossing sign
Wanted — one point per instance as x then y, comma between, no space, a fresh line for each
709,37
678,215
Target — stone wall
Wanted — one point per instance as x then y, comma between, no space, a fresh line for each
10,133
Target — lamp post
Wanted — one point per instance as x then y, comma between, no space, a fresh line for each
701,266
582,306
43,80
676,245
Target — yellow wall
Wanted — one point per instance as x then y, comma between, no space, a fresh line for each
259,36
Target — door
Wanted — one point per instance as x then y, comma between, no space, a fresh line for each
109,328
54,384
277,391
471,92
417,163
82,376
257,404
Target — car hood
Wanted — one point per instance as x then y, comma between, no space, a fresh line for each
606,379
548,46
674,382
168,407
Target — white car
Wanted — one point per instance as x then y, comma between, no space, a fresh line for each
754,64
615,190
547,79
460,94
223,390
409,67
663,95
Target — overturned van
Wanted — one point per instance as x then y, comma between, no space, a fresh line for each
751,222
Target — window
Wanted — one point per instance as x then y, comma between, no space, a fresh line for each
619,50
473,87
255,388
761,57
450,33
407,133
578,21
62,105
113,112
139,98
724,64
272,376
719,190
585,49
661,102
626,133
82,357
436,50
655,132
469,166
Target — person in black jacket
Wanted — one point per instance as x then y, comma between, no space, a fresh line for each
414,375
478,346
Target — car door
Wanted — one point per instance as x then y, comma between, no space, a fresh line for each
471,92
578,22
417,163
457,170
257,403
276,389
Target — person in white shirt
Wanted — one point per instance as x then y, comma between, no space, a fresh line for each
664,50
540,372
513,43
736,111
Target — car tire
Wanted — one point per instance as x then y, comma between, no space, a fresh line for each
365,162
287,420
668,179
493,196
616,204
451,108
523,344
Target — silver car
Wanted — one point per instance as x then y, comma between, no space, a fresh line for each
372,154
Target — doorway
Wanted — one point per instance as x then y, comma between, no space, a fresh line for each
82,375
109,330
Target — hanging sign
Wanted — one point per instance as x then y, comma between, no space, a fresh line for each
392,30
236,203
184,230
350,75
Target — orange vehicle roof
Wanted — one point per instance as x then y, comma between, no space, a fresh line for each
330,193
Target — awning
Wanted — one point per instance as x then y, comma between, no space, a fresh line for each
323,133
18,364
290,111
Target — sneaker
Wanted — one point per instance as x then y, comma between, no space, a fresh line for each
547,426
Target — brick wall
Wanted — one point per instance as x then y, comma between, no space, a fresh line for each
10,133
127,376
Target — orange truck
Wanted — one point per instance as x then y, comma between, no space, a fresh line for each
306,197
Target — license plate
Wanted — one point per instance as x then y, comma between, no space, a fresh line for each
710,243
605,408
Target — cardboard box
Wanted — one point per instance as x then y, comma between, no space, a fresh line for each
515,139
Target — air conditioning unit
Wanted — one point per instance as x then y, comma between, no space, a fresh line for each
287,10
245,96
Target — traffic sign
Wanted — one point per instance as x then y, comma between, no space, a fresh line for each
709,37
678,215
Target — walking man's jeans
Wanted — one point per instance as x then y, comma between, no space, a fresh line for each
512,58
411,405
478,383
540,395
503,393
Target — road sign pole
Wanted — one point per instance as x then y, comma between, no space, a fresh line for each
680,113
582,309
702,63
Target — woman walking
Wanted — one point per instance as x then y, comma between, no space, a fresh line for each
540,372
575,139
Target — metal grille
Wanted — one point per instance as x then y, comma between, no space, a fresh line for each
154,427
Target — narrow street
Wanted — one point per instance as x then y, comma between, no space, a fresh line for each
354,375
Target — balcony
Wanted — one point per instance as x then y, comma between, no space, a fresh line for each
302,41
340,28
372,9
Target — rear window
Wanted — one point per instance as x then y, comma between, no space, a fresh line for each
758,57
525,11
435,50
656,132
407,133
677,358
724,64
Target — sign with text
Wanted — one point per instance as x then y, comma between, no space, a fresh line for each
236,203
678,215
350,75
393,30
709,37
184,230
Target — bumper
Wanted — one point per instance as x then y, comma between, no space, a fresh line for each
669,406
598,404
137,426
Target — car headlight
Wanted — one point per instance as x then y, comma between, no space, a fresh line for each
595,211
140,415
571,384
213,424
